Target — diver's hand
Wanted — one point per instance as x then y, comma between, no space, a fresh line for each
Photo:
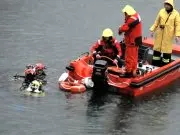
115,61
120,32
98,56
94,52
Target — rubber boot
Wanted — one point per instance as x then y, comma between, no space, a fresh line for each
156,59
166,59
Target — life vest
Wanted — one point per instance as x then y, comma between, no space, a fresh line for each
134,35
108,50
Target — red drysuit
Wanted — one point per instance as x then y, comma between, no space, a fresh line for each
132,29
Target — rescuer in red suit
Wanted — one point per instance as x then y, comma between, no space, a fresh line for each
132,29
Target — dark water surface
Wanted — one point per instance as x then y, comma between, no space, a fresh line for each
54,32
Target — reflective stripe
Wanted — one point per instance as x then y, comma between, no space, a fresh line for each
156,58
133,17
139,18
99,41
165,60
136,18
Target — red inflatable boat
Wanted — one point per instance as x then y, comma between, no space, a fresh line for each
83,73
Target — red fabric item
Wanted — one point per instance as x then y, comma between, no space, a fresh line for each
110,52
131,58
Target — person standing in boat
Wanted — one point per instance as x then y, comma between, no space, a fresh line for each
165,27
107,46
132,29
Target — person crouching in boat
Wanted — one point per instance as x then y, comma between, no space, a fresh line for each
166,27
107,46
132,29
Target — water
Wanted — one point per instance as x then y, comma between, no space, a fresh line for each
54,32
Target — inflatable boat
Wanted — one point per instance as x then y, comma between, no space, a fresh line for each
83,73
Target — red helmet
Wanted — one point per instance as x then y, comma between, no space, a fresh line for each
29,71
40,66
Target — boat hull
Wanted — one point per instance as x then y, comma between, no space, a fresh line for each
142,84
153,86
149,82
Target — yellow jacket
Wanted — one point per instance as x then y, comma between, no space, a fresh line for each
164,37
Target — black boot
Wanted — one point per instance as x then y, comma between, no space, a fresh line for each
156,59
166,59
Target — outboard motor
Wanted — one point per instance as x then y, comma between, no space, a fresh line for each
99,76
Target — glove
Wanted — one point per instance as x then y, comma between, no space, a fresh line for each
120,32
177,39
94,52
152,34
98,56
115,61
118,57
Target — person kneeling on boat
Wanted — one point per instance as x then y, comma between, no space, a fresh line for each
107,46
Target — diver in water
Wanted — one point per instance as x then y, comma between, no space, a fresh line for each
40,71
32,73
35,86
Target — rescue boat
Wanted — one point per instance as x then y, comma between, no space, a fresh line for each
83,73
